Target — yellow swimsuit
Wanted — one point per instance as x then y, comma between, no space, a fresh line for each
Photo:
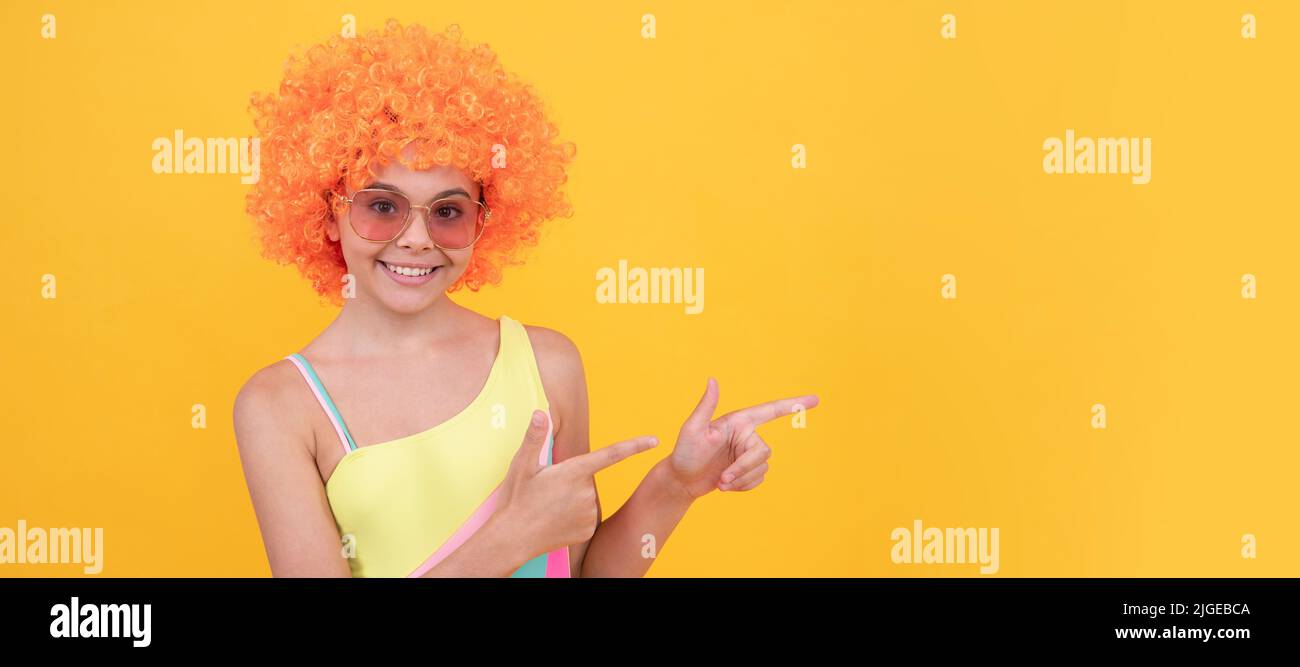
407,503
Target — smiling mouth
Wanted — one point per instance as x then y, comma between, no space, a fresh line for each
408,271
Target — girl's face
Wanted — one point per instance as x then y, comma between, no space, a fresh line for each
369,262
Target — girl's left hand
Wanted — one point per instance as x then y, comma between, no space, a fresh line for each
726,453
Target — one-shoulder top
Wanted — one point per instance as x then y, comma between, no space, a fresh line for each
403,505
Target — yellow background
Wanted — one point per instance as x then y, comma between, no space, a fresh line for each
924,158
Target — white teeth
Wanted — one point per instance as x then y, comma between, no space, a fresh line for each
407,271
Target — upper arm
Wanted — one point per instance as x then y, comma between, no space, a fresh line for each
565,383
284,483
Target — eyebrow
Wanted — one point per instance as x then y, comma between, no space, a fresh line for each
394,188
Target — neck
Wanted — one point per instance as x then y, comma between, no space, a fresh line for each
366,328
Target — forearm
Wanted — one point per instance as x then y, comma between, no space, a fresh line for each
490,552
620,547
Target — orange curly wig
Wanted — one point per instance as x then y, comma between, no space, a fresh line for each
351,103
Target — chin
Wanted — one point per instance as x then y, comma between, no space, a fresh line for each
407,301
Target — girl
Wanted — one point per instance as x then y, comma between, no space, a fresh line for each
414,437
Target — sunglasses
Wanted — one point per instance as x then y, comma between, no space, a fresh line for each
454,222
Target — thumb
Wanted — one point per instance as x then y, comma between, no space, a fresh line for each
526,460
703,413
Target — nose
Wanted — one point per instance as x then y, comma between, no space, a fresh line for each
416,235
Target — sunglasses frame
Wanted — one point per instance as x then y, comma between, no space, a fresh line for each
410,209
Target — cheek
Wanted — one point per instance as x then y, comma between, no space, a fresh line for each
460,261
358,253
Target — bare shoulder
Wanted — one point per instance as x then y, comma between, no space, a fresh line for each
557,354
267,388
271,401
560,365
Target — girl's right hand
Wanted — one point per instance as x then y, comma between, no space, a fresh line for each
552,506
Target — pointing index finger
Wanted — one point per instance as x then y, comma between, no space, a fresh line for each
605,457
766,412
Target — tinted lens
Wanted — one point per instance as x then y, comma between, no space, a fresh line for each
378,215
455,222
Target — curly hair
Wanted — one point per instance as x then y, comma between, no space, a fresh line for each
350,103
